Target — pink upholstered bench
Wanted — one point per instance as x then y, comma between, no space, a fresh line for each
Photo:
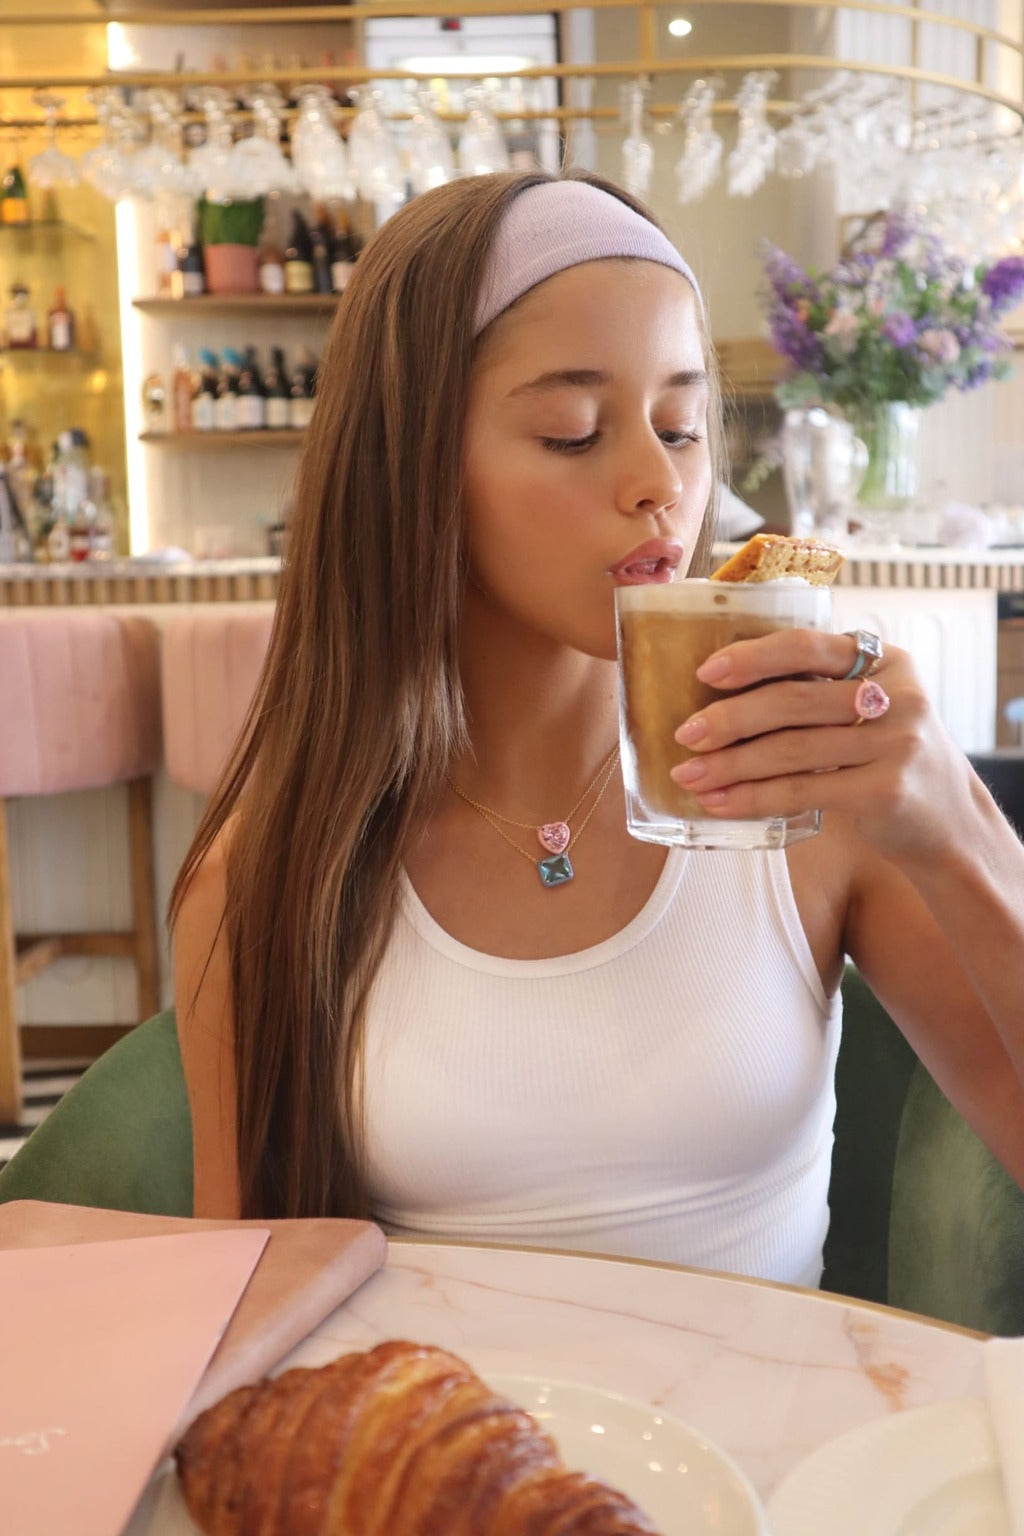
211,665
79,709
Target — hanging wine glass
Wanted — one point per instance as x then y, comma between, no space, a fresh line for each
637,149
319,155
160,167
107,167
51,167
373,154
429,150
211,165
259,167
698,165
482,147
754,155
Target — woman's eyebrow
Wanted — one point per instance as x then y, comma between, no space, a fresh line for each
591,378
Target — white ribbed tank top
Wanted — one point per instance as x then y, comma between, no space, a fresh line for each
667,1094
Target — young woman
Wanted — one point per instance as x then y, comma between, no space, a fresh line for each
382,1008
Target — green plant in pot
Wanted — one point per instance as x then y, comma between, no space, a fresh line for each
229,233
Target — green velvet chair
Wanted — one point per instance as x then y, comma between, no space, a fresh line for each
922,1215
121,1138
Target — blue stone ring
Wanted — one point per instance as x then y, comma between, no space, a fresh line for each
869,654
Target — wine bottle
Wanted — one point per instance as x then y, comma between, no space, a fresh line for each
271,257
301,391
14,197
188,280
204,401
298,258
251,408
321,252
60,324
275,384
226,408
342,256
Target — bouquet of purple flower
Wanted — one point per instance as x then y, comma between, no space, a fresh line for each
898,318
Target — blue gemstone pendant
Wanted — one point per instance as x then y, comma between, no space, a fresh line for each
555,871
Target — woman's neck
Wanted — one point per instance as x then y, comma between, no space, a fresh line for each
541,720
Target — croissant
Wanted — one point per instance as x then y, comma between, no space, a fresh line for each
404,1440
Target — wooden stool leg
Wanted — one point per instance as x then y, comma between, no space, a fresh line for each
10,1052
140,832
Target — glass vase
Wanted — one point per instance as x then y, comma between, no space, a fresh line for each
890,433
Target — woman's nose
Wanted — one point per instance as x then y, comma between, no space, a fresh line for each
649,480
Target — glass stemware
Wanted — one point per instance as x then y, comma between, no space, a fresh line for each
698,165
108,166
259,165
637,149
319,156
754,155
51,167
482,147
431,162
373,154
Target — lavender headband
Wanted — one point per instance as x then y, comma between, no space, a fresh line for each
560,224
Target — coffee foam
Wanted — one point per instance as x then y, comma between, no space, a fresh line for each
697,595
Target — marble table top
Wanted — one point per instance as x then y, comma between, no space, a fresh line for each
768,1372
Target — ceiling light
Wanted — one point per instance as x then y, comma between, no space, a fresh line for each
680,27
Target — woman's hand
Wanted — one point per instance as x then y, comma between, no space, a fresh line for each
794,741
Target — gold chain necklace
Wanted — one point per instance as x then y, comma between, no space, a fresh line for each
555,836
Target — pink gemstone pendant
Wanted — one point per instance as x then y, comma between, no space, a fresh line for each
554,836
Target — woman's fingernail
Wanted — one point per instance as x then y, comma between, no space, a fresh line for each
692,731
714,669
689,772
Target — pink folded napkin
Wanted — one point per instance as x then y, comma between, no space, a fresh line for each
102,1345
307,1269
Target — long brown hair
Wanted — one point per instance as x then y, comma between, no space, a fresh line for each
359,708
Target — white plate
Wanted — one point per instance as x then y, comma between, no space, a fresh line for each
686,1485
926,1472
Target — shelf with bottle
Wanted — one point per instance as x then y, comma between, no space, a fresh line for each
216,265
231,396
232,303
255,437
59,510
26,334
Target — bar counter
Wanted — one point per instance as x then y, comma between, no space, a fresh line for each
254,579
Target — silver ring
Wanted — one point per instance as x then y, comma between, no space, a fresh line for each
869,654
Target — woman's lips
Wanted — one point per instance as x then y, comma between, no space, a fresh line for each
652,563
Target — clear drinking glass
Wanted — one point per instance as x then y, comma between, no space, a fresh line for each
664,634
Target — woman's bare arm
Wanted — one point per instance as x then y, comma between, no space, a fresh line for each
203,1006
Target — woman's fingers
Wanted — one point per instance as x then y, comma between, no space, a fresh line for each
783,653
780,706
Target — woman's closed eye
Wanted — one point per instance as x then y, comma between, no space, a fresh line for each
671,437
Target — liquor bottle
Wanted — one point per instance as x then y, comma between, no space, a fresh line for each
166,261
301,392
15,540
181,391
226,406
20,324
251,408
271,257
102,517
14,197
298,258
275,383
343,256
188,280
204,398
321,251
60,324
